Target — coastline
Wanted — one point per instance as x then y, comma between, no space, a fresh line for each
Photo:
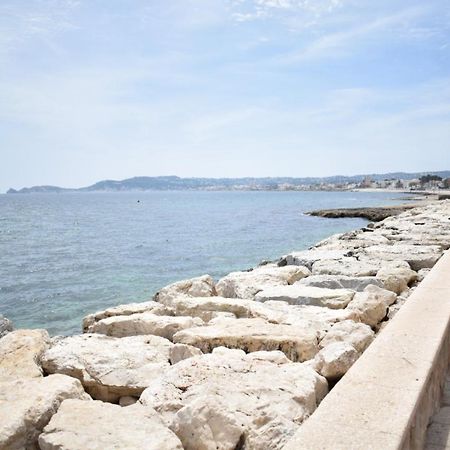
379,213
297,325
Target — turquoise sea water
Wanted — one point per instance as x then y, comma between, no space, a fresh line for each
65,255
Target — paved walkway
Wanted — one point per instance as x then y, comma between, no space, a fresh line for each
438,433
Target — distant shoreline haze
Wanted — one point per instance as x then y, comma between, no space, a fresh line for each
179,183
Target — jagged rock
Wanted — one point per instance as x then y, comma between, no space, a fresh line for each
5,326
299,294
145,324
178,352
417,256
358,335
284,313
108,367
308,257
335,359
207,308
80,425
231,387
296,342
340,282
248,284
124,310
371,305
205,424
27,404
349,266
19,353
397,276
195,287
351,240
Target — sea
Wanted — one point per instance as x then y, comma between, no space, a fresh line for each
63,256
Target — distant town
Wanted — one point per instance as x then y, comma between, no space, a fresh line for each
424,183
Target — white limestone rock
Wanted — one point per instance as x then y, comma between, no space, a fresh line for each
27,404
340,282
202,286
352,240
5,326
108,367
178,352
296,342
417,256
80,425
307,258
207,308
248,284
124,310
349,266
206,424
144,324
20,351
358,335
299,294
335,359
371,305
248,392
396,276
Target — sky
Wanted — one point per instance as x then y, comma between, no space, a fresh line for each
110,89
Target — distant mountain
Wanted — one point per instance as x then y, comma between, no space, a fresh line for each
176,183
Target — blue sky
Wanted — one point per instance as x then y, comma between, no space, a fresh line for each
95,89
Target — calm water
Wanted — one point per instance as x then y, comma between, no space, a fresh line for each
63,256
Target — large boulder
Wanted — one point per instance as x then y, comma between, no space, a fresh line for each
335,359
81,425
299,294
178,352
224,399
20,351
358,335
371,305
417,256
144,324
207,308
308,257
27,404
202,286
124,310
397,276
340,282
5,326
248,284
352,240
296,342
109,367
349,266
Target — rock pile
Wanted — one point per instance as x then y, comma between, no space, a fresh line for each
240,363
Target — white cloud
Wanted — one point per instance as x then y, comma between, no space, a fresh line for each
335,43
33,19
249,10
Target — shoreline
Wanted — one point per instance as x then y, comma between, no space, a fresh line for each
377,213
272,340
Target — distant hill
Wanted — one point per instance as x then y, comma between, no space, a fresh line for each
165,183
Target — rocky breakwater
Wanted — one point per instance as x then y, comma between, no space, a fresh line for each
237,363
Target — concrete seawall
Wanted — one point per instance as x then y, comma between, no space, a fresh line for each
386,399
